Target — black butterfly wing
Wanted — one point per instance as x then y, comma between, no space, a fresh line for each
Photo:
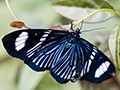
69,66
97,66
67,57
40,49
82,61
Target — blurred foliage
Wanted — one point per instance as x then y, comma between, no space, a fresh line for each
76,11
114,45
14,75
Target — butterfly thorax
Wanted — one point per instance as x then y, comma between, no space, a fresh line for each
76,33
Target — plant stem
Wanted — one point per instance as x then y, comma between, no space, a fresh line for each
100,10
14,14
11,10
117,49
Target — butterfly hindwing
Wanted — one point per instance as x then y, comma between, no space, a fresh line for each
83,61
69,66
99,67
37,48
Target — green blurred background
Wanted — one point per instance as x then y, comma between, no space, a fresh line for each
14,75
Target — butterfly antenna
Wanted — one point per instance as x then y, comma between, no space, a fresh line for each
71,26
62,28
81,25
93,29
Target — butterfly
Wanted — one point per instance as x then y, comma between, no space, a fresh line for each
68,56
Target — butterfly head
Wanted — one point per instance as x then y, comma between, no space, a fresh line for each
75,33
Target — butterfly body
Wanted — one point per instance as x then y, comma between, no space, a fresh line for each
68,56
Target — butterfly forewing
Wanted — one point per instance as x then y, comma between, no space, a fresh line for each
37,48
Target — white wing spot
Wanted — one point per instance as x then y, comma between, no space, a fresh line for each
35,34
81,73
102,69
42,39
23,34
47,32
89,64
45,35
19,47
93,53
94,49
92,57
74,73
85,67
107,64
20,38
20,41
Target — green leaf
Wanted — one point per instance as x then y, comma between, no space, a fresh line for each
77,9
114,45
29,79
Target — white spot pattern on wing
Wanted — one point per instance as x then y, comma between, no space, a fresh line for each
92,56
42,39
20,41
89,64
38,45
102,69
